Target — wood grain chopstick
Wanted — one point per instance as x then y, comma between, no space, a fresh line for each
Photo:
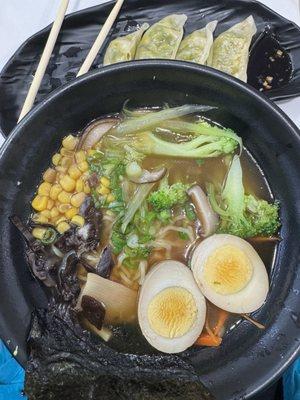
40,72
100,38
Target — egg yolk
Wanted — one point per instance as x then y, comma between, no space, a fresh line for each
172,312
228,270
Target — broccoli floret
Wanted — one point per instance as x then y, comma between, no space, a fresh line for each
118,241
240,214
164,216
200,147
168,196
263,215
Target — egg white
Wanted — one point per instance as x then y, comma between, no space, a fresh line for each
249,298
164,275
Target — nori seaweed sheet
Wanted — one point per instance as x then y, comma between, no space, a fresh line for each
65,364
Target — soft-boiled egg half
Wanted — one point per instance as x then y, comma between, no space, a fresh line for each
230,273
171,309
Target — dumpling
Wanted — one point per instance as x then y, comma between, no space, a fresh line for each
163,38
196,46
230,50
123,48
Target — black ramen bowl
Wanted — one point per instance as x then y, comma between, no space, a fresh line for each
249,359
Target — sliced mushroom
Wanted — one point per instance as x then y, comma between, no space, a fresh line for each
150,176
93,310
106,263
94,132
208,218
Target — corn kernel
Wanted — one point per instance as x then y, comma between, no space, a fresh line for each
69,142
54,212
71,212
62,227
38,233
74,172
105,181
67,183
60,219
83,166
103,190
80,156
62,208
77,199
56,159
49,175
64,197
55,190
61,169
55,219
39,203
44,189
78,220
110,198
66,162
50,204
45,213
40,219
79,185
87,189
65,152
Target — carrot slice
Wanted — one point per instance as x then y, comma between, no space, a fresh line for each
211,337
207,340
223,315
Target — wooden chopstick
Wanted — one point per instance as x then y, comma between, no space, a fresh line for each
40,72
100,38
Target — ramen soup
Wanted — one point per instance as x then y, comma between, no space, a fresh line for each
155,224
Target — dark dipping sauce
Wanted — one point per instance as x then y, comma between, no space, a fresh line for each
270,65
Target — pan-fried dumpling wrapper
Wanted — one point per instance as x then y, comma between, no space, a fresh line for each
123,48
196,46
162,39
230,50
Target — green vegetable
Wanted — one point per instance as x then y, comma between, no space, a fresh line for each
118,240
114,167
240,214
152,119
263,215
139,252
164,216
189,212
49,236
183,235
135,203
200,162
133,170
131,263
168,196
98,200
198,147
202,128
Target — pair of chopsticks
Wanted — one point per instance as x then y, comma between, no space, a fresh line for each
40,72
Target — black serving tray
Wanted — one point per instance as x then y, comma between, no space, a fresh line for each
80,29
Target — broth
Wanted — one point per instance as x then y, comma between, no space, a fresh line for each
190,171
124,182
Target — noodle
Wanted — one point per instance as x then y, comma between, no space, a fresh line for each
168,228
125,279
125,271
142,271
